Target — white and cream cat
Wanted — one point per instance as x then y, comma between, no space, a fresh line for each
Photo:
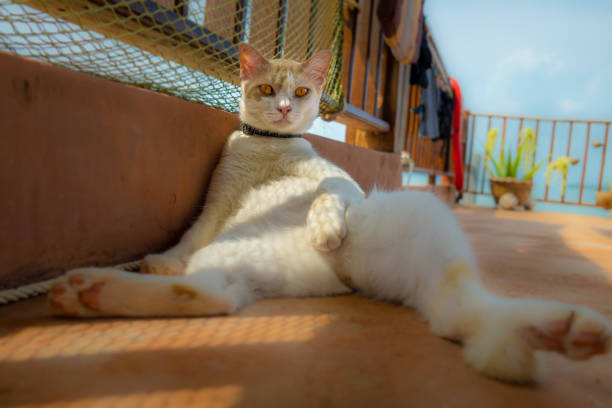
281,221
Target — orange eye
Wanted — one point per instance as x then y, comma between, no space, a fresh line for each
301,91
266,89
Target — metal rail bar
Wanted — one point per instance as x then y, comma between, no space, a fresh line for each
584,162
603,157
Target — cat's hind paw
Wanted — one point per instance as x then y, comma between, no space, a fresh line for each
158,264
504,346
75,294
325,222
581,335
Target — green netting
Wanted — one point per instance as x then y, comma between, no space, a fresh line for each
185,48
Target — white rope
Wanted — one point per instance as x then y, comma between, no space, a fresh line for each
39,288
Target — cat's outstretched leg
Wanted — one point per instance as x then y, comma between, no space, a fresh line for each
91,292
500,336
407,247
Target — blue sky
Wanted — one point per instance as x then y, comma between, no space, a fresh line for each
548,58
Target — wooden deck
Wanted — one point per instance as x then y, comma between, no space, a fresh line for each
319,352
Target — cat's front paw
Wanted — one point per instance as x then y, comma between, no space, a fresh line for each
76,294
325,222
162,265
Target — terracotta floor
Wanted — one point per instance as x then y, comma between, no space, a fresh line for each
319,352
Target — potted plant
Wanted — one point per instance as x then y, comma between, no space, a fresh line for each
508,188
561,166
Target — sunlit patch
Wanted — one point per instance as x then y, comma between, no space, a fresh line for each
222,396
158,334
590,244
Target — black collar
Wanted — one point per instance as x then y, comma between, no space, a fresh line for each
250,130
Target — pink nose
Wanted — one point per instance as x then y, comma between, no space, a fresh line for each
284,109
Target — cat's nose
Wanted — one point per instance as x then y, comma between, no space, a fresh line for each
283,109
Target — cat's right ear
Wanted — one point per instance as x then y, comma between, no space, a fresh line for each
251,61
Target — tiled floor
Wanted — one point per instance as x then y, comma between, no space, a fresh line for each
319,352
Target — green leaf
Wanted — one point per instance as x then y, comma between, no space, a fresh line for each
515,163
509,165
498,167
534,169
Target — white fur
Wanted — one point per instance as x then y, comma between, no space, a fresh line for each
281,221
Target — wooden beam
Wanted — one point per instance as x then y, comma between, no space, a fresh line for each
358,119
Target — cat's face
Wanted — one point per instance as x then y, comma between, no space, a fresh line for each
281,95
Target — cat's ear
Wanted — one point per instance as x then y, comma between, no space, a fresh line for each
251,61
316,67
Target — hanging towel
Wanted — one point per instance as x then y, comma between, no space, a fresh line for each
402,22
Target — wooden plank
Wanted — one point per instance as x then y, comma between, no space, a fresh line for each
370,140
370,95
356,118
382,81
402,98
348,34
362,38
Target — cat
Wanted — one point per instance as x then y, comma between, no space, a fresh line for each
279,220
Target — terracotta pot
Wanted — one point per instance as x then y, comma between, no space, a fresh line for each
604,199
520,188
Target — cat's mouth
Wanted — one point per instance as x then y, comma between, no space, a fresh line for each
282,121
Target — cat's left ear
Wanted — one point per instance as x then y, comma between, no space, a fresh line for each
317,66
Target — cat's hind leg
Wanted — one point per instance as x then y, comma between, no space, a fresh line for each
500,336
90,292
416,254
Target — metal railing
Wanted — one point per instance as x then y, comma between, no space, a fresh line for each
584,141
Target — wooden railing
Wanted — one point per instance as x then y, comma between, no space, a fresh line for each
584,141
367,78
380,100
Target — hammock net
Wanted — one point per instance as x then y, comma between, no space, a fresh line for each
184,48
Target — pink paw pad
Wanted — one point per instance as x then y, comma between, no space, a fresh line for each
552,336
90,297
596,342
568,338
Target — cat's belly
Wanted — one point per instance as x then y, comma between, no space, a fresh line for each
268,241
283,203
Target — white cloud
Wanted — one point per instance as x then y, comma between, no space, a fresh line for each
512,71
594,85
527,60
571,106
576,105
